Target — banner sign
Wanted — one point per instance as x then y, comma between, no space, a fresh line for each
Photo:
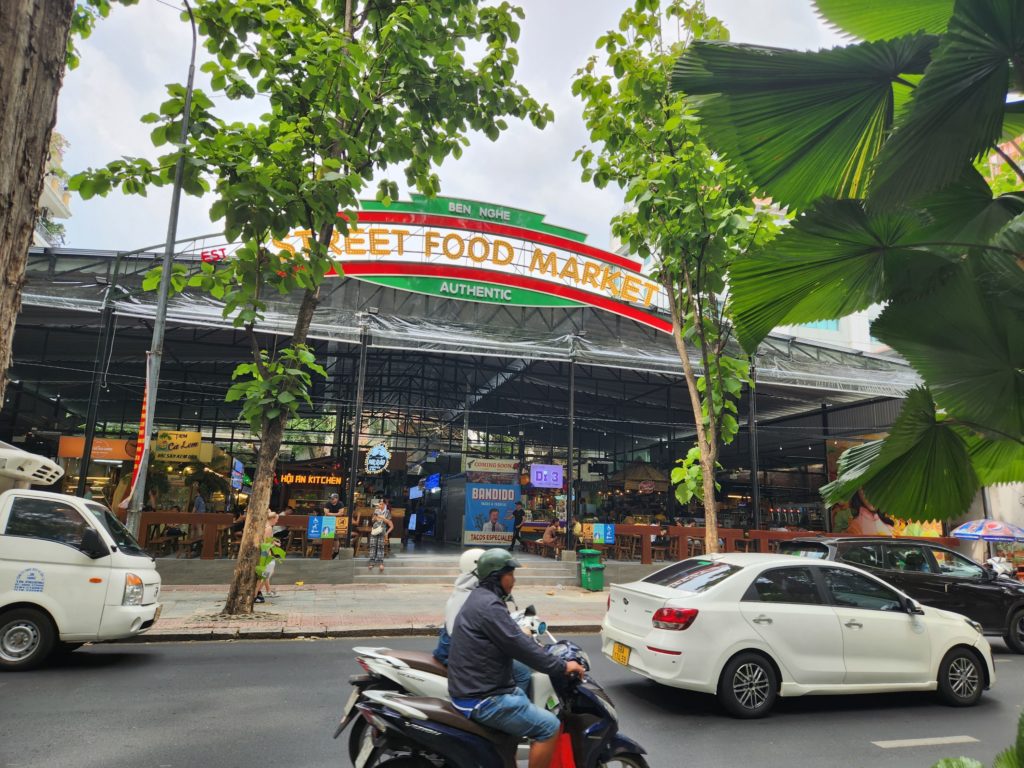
489,514
322,527
102,448
377,459
546,475
478,464
177,446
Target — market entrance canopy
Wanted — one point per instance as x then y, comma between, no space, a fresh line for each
481,252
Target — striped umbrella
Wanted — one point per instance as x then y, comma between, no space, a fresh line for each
989,530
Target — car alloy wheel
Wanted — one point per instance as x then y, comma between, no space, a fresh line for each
963,677
750,686
1014,636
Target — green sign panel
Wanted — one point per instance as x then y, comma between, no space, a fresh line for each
471,290
474,209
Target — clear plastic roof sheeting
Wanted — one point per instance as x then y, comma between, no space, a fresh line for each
74,281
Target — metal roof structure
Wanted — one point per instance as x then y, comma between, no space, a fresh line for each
431,359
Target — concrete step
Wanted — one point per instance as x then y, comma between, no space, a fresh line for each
395,578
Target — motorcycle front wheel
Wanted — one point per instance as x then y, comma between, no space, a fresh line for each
626,761
407,762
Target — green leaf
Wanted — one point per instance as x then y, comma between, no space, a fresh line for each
800,124
967,346
995,461
957,112
1013,121
834,260
921,471
884,19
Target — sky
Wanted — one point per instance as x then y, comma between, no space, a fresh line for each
129,58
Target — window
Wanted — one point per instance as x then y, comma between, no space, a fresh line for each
46,519
785,585
121,536
822,325
906,557
853,590
811,549
866,555
696,575
952,564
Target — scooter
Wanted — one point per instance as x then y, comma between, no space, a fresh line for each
418,732
420,674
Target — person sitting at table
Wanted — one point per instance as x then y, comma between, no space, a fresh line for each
549,540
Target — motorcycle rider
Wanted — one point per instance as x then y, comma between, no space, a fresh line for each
465,583
485,640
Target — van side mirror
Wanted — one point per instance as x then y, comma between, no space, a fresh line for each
92,545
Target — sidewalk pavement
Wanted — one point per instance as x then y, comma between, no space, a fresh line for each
350,610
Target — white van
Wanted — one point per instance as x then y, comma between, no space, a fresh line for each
70,572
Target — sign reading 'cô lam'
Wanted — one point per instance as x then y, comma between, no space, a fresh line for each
473,251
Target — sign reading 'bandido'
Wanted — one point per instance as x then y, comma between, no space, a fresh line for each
472,251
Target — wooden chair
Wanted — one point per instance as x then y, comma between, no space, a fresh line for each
659,552
675,548
296,542
694,546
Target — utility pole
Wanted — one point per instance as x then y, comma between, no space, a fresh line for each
156,352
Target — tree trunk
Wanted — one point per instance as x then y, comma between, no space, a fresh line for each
242,591
33,43
708,459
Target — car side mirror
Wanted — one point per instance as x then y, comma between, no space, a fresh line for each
989,574
530,611
913,607
92,545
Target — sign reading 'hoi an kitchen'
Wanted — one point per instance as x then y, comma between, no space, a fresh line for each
471,251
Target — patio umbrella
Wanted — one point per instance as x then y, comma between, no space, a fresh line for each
989,530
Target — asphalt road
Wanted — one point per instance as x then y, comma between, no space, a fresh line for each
275,704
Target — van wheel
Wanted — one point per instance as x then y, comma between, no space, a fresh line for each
1014,636
961,678
748,686
26,638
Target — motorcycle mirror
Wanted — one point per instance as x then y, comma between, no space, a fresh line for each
530,611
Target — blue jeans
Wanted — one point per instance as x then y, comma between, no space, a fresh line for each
520,672
515,714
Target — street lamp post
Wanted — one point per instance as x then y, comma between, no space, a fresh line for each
156,352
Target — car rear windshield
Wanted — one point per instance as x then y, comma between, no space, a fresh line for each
696,575
809,549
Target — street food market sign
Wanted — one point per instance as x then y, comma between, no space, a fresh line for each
472,251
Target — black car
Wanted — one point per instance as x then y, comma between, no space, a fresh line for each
933,575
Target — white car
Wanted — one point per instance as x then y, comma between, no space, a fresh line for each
751,627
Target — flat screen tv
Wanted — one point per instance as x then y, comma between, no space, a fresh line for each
433,481
415,492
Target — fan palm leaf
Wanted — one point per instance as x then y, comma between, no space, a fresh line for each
957,111
885,19
800,124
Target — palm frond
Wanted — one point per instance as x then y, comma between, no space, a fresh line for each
957,111
885,19
801,124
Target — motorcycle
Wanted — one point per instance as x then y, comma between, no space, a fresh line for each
419,732
420,674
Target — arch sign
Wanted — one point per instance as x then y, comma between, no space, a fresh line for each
473,251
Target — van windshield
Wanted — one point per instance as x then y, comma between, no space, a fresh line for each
122,536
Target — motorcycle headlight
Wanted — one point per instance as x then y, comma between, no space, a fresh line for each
133,590
974,625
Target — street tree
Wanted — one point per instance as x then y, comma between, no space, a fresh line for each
351,90
688,214
35,44
874,144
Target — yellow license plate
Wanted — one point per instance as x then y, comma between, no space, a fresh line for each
620,653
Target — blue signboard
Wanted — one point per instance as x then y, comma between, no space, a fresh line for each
604,534
489,513
314,527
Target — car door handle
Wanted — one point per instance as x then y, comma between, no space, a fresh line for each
762,620
854,624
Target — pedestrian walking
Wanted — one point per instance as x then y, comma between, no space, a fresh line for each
380,528
518,517
268,561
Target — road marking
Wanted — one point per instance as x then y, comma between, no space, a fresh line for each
998,661
898,743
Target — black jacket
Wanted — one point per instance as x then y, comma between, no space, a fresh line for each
485,639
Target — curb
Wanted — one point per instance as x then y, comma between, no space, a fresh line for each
204,635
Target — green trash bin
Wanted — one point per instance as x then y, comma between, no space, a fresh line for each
591,570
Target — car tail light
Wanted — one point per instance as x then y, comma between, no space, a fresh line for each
674,618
